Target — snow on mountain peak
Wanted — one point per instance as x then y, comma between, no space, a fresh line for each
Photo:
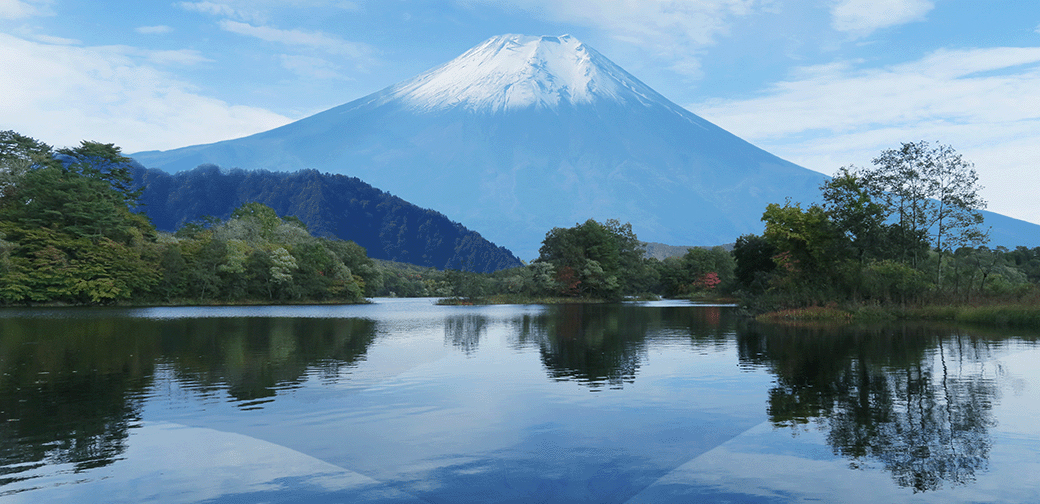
519,71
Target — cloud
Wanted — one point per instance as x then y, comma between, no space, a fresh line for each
153,30
48,39
983,102
259,11
309,66
183,57
64,94
216,9
860,18
670,30
19,9
977,85
331,44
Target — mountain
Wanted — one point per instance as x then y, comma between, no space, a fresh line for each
330,205
522,134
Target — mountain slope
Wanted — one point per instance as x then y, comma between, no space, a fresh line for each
330,205
522,134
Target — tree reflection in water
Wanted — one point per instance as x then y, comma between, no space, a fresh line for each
911,399
254,358
65,397
915,400
464,331
72,388
602,345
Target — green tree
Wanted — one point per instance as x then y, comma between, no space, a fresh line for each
71,233
105,162
699,270
19,154
753,255
593,259
851,205
933,191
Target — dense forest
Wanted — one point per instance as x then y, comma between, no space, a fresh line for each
388,227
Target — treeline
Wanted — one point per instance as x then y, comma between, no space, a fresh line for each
592,260
68,234
334,206
906,231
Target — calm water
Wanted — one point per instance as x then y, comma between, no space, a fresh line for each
404,401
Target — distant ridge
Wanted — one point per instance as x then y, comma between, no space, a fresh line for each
522,134
330,205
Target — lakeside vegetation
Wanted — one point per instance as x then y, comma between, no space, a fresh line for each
69,234
903,239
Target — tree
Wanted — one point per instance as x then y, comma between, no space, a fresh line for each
808,236
635,271
66,219
934,192
850,204
19,154
754,262
594,259
699,270
105,162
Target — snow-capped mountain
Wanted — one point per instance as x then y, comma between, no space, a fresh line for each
522,134
515,72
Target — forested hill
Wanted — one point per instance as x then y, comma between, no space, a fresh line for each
330,205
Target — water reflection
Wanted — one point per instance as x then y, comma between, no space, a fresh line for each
464,331
254,358
385,404
601,346
913,399
65,397
71,389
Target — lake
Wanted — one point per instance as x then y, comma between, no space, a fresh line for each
405,401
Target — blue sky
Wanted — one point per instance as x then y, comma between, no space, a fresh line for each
822,83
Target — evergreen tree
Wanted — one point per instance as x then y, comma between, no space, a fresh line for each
70,234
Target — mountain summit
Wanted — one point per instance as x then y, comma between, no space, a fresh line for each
522,134
517,71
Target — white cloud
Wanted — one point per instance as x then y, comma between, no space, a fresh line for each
184,57
153,30
48,39
216,9
983,102
19,9
310,66
259,11
331,44
62,94
670,30
860,18
952,85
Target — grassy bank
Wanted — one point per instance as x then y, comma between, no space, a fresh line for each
1005,315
